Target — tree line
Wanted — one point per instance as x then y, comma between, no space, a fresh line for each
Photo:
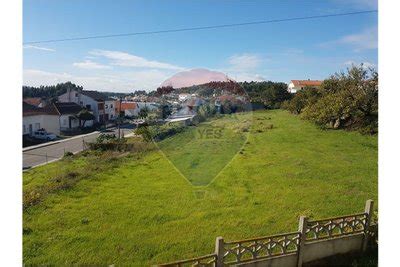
49,91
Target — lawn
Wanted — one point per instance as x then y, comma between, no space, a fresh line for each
141,210
202,151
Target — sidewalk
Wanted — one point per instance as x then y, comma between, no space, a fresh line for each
58,141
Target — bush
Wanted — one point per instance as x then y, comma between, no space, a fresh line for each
104,138
344,101
266,94
159,132
68,154
302,99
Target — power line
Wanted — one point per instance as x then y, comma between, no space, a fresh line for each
200,28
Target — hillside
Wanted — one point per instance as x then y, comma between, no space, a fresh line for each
140,210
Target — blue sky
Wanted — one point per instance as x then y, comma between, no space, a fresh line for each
310,49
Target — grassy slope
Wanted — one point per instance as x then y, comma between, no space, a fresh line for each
144,212
201,152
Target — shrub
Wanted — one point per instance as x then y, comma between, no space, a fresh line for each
103,138
159,132
302,99
144,131
26,230
31,198
344,101
68,154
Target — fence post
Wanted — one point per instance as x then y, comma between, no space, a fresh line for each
369,206
302,229
219,251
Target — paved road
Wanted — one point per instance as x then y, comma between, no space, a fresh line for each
56,151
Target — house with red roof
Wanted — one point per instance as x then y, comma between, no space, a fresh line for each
296,85
102,107
35,118
55,118
35,101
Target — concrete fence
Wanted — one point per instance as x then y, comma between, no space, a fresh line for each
314,240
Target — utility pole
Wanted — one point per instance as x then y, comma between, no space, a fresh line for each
119,118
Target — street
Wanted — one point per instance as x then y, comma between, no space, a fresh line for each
56,150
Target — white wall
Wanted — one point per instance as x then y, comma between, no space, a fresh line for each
49,122
109,108
64,122
82,100
292,88
131,112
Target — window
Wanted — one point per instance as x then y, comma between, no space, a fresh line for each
106,106
76,94
81,103
37,125
88,107
111,106
65,121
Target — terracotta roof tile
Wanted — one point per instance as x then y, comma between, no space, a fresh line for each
31,110
35,101
306,82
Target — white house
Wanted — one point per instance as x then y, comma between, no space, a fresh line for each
131,112
103,108
35,118
109,109
55,118
296,85
68,120
183,97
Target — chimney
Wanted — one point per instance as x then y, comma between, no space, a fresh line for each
69,94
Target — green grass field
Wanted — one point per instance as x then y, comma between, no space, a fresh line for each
201,152
140,210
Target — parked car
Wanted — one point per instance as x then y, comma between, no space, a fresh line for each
43,135
139,121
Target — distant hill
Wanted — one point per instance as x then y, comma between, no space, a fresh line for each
194,77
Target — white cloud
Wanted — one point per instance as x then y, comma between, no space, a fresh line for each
114,82
367,39
246,77
34,77
39,48
365,64
88,64
145,74
128,60
244,67
245,62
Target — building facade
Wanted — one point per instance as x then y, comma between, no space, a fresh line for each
297,85
102,108
35,118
